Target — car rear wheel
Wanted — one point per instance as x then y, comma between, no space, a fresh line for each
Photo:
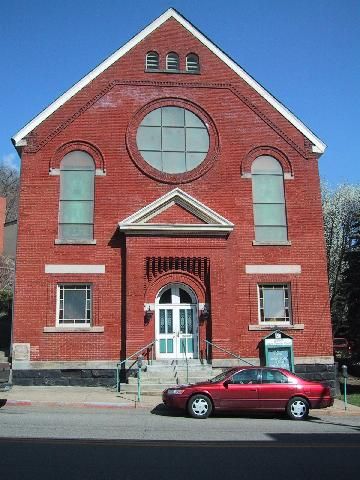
298,408
199,406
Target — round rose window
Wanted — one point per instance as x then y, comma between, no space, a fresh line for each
173,139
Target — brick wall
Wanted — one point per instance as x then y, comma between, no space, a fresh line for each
100,115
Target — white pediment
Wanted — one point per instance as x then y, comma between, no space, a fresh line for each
211,222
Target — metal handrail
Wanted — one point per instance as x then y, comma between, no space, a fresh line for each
186,359
224,350
119,364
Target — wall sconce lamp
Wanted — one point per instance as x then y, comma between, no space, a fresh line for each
205,313
148,315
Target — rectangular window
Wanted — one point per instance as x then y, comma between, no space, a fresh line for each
74,305
274,304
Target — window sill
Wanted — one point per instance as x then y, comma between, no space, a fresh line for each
97,329
278,326
58,241
270,244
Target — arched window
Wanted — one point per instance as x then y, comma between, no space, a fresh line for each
192,63
268,200
152,61
77,170
172,61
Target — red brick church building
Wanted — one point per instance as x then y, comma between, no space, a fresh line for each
168,199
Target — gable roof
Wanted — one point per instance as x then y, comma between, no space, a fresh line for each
318,145
214,224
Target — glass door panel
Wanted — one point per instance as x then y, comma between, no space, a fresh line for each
166,331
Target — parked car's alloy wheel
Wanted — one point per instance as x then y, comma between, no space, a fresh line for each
298,408
200,406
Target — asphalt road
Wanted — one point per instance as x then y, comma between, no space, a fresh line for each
132,444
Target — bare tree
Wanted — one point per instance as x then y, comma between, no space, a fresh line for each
9,188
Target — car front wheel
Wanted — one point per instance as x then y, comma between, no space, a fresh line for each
199,406
297,408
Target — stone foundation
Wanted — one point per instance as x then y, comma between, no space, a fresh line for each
65,377
320,373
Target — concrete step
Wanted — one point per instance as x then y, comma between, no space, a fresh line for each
195,372
164,381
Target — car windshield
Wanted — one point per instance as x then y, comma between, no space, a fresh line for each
221,376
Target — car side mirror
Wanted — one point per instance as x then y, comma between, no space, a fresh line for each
227,383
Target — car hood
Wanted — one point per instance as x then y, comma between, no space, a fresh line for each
197,384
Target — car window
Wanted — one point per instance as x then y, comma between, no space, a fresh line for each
274,376
245,377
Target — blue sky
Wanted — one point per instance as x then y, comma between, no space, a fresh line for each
305,52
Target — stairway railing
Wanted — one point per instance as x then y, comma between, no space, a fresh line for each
148,347
183,343
208,343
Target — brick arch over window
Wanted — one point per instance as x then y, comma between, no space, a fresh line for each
83,146
175,277
245,167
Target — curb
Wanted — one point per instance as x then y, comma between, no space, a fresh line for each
104,405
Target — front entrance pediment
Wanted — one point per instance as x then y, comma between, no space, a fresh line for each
176,212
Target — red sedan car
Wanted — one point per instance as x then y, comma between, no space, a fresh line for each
248,389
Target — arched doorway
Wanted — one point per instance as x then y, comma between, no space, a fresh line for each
176,322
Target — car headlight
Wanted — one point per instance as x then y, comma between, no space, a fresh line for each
174,391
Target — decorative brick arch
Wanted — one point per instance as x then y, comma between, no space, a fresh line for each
245,167
81,145
177,276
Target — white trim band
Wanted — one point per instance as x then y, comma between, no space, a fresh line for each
273,269
74,268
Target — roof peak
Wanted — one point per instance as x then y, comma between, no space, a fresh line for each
18,138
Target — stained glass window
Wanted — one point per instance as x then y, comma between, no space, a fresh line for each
274,303
74,304
76,210
173,139
268,200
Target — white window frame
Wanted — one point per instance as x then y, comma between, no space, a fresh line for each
191,66
150,60
88,322
274,286
172,60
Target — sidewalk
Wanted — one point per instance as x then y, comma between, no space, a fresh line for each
86,397
101,397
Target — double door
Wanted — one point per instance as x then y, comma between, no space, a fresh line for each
177,331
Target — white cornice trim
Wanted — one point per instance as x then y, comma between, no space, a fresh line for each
214,223
318,145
